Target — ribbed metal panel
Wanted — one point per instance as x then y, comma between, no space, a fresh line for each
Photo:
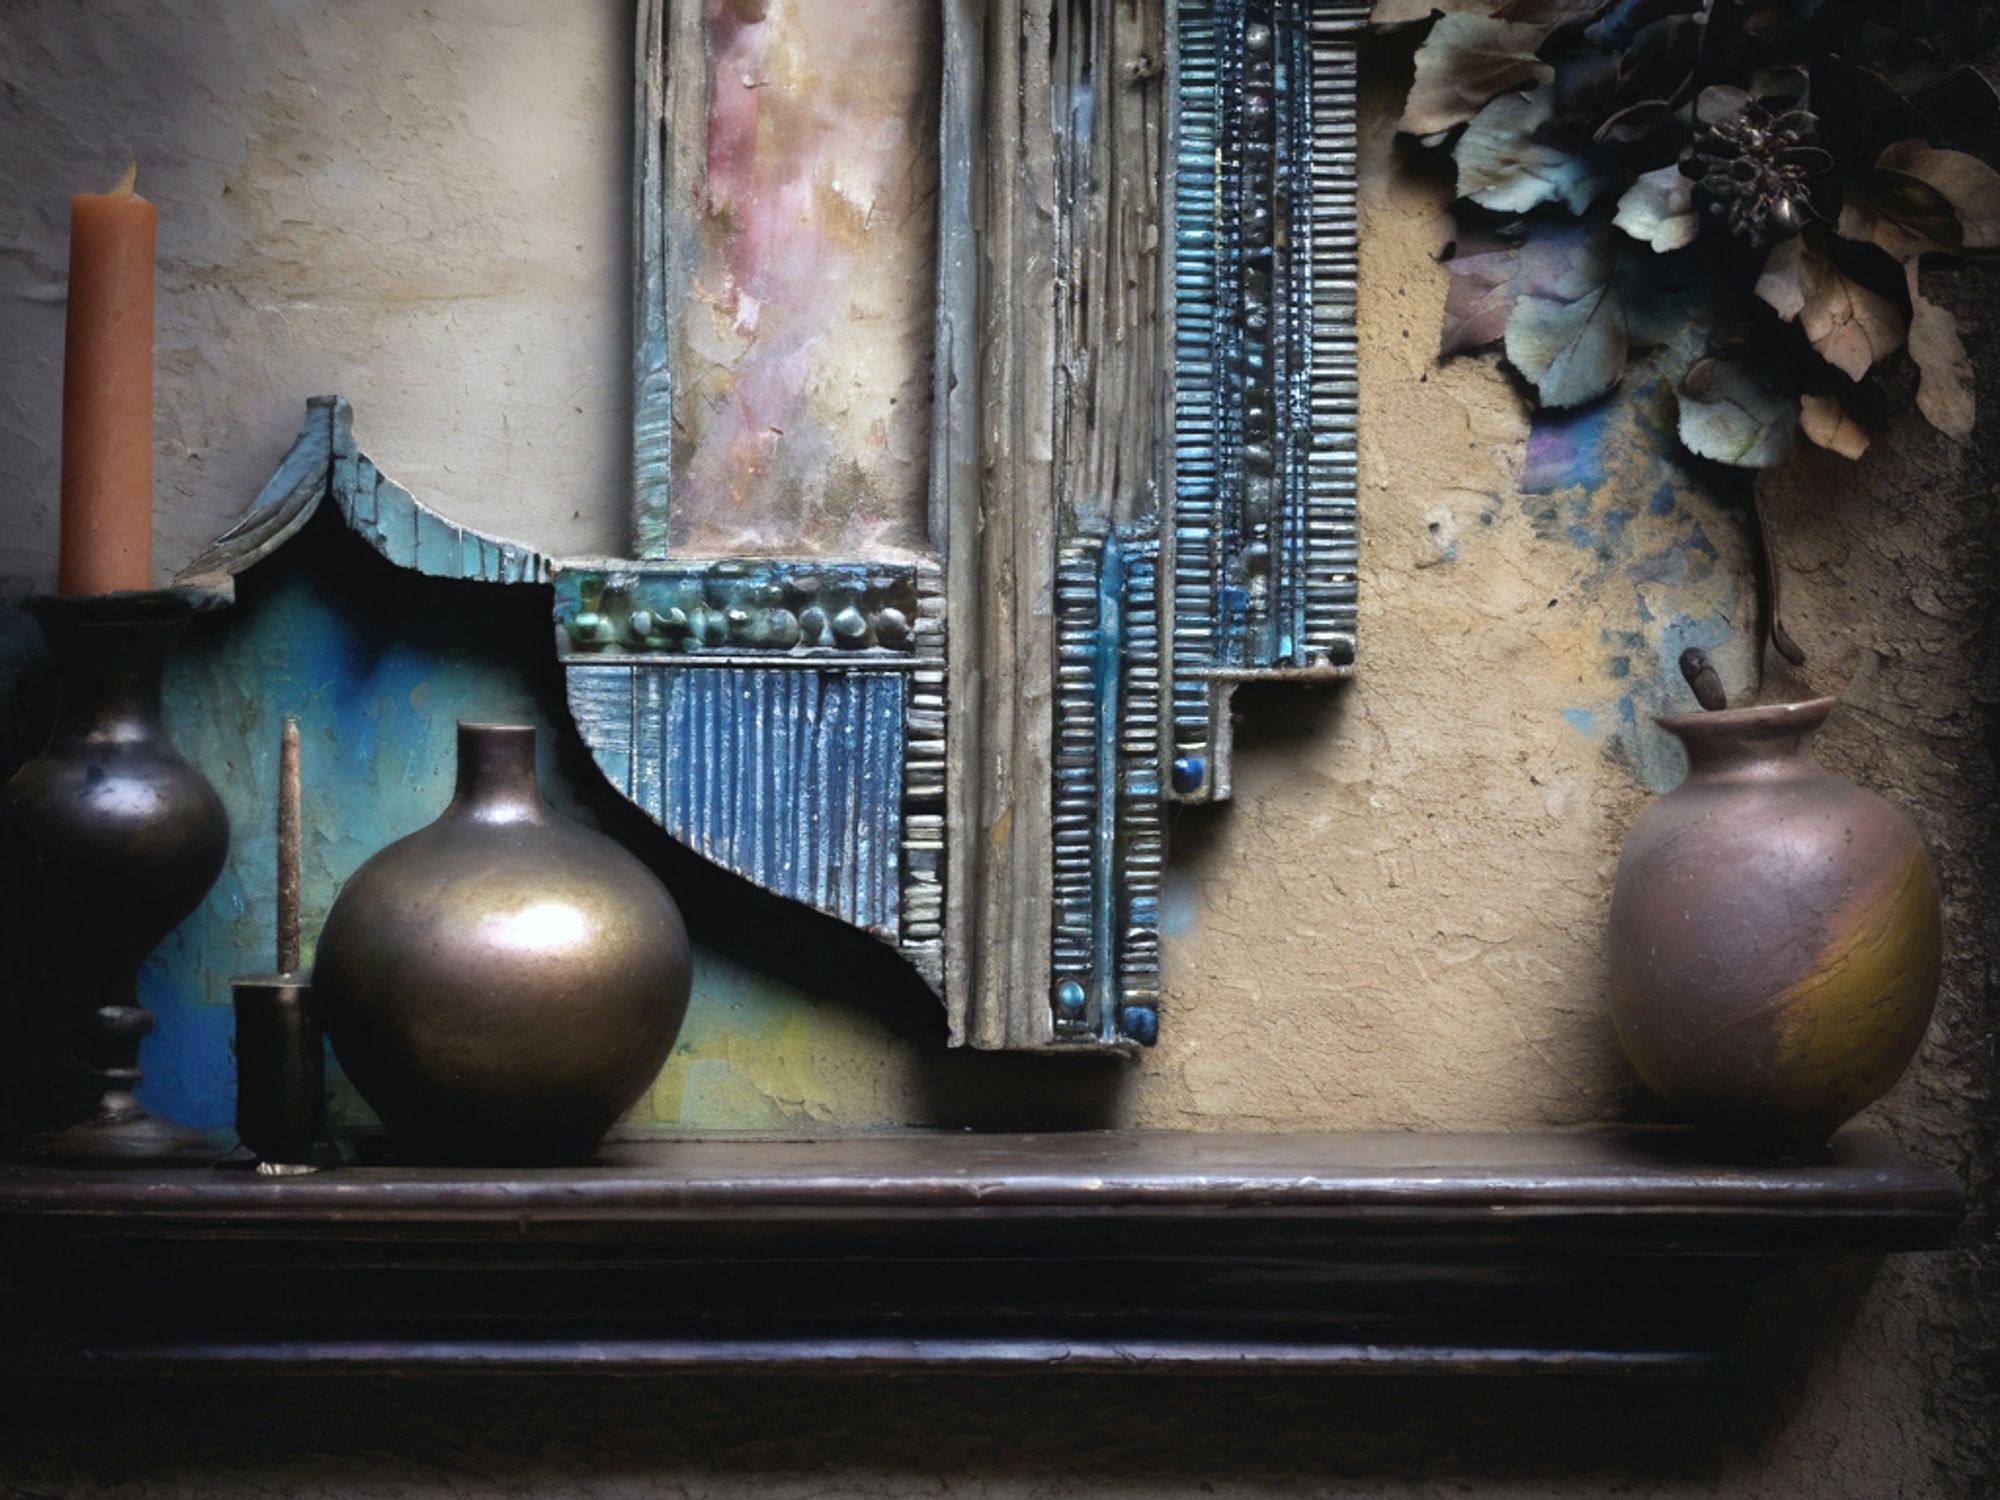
1266,387
1205,401
1084,657
1328,559
792,778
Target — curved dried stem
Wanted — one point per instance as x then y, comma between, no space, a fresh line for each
1780,679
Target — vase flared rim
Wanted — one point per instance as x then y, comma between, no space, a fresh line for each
128,606
1805,714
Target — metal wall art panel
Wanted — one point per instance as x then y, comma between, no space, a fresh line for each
1141,486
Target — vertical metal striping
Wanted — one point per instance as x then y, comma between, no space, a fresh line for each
787,777
1264,484
1104,853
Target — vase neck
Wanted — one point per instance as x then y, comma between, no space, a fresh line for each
1770,741
110,656
496,774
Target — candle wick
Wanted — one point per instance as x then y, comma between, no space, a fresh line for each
129,182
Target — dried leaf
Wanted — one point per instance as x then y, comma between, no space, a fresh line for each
1479,301
1827,421
1963,104
1738,417
1850,326
1770,21
1406,12
1567,333
1970,186
1636,122
1945,389
1719,103
1464,62
1586,82
1503,167
1663,295
1659,210
1782,88
1659,58
1901,215
1622,20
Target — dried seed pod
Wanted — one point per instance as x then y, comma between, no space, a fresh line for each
1756,168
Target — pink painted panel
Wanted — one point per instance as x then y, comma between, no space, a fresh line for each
805,242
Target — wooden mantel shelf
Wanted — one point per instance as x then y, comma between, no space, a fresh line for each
1622,1251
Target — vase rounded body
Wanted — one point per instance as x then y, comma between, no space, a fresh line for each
109,839
503,984
1776,936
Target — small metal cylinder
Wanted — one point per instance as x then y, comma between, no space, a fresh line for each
280,1068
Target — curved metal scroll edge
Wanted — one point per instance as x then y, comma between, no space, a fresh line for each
323,460
285,503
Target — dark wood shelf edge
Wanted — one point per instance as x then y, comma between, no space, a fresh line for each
1624,1251
871,1356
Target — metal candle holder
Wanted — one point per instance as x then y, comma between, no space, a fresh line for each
108,840
280,1059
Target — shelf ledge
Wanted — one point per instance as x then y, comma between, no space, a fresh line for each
1623,1251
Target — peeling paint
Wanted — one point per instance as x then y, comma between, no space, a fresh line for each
1651,579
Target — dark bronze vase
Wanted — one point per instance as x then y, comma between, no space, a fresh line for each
108,840
1775,934
503,984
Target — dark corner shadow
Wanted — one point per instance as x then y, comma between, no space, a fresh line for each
1279,718
1267,721
27,688
1270,721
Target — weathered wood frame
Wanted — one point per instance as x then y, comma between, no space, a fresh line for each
1142,494
1073,358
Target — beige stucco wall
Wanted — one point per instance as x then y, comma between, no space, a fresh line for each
1395,924
419,206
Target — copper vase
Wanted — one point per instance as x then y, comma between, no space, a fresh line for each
1775,934
108,840
503,984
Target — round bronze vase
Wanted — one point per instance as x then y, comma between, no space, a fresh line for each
503,984
1775,934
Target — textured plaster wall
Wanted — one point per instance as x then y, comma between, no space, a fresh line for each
419,205
1396,923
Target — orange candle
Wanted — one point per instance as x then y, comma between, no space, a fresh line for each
107,433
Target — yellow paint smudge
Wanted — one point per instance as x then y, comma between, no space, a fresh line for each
1853,1023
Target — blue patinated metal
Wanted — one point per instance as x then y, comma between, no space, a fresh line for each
652,374
849,610
785,719
325,464
1265,360
791,778
1257,528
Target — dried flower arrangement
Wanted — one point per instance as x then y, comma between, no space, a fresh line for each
1750,185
